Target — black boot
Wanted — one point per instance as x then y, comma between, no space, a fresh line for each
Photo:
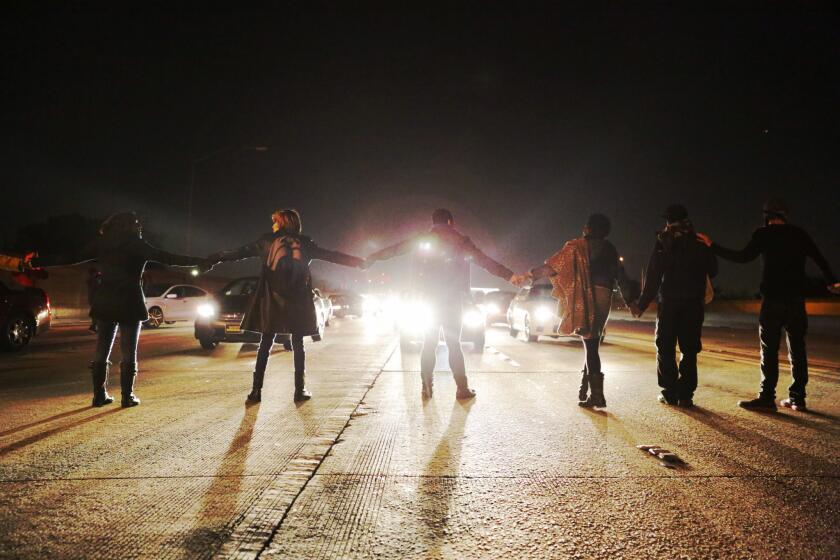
128,372
428,385
256,388
99,372
596,397
301,394
584,385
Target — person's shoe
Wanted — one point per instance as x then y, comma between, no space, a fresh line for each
101,399
254,396
99,372
759,403
129,400
464,393
596,397
287,345
302,395
128,373
584,386
685,403
665,400
795,404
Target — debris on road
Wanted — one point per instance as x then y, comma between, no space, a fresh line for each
667,459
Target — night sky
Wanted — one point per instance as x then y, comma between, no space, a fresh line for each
521,123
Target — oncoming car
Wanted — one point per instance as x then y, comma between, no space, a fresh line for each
533,311
413,317
24,313
220,318
167,304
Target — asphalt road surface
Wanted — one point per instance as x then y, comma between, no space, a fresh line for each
367,469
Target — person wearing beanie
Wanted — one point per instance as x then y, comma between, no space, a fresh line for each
678,274
783,249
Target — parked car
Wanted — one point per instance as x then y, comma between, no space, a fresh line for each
344,305
326,305
413,316
220,318
167,304
24,313
533,311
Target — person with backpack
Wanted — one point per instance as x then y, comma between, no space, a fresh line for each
678,273
282,302
783,248
584,273
442,259
118,303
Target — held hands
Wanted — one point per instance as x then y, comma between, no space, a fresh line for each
520,280
834,288
704,239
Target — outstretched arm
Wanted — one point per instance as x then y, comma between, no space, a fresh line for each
319,253
86,254
745,255
812,251
392,251
154,254
481,259
253,249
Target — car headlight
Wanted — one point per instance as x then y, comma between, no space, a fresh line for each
543,314
415,317
206,310
473,318
492,309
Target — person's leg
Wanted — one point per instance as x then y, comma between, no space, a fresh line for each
666,353
591,352
263,351
770,321
129,337
595,376
301,393
105,332
452,337
796,327
689,339
428,358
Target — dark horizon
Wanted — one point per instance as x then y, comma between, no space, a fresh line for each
521,123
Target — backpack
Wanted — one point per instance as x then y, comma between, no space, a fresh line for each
285,267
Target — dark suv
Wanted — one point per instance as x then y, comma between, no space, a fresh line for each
24,313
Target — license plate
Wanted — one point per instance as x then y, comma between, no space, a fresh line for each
233,328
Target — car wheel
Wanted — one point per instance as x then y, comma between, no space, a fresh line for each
208,344
513,332
17,332
155,317
478,343
531,337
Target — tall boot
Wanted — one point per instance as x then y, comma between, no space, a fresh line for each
301,393
256,388
596,396
99,373
584,385
128,372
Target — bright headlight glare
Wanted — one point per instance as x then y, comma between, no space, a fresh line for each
206,310
473,318
415,317
543,314
492,308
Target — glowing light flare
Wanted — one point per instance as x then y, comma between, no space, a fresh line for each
543,314
473,318
206,310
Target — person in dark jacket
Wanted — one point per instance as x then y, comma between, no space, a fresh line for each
783,248
282,302
678,272
442,276
605,272
94,280
121,254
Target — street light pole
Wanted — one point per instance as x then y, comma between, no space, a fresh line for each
193,163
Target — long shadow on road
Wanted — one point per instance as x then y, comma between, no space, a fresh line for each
43,435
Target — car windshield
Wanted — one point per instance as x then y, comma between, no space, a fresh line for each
541,291
243,287
155,290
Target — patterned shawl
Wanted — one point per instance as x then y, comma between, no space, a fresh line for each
572,288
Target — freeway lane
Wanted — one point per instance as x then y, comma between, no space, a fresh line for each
367,469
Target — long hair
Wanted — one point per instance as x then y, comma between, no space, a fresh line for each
287,221
120,223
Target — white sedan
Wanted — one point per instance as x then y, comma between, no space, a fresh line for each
167,304
533,312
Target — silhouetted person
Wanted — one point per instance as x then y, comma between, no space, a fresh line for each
677,272
443,257
282,303
585,271
121,254
93,282
783,248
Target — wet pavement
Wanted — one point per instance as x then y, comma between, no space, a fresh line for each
367,469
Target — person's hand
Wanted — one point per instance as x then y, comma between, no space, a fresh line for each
520,280
206,266
26,263
366,264
834,288
704,239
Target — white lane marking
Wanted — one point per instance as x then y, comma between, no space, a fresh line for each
502,356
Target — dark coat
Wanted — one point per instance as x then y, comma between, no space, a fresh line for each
272,312
121,260
441,264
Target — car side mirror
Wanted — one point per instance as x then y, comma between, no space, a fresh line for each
171,295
